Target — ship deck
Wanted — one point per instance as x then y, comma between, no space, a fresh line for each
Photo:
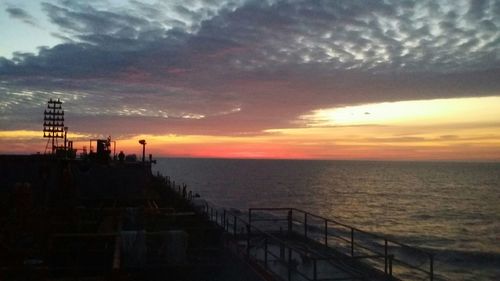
71,220
51,229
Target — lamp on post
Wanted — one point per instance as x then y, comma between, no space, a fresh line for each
143,142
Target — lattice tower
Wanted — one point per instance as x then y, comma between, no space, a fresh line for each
53,124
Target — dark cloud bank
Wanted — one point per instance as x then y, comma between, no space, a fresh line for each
236,68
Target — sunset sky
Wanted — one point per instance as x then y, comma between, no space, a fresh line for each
305,79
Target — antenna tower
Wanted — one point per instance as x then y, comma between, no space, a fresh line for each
53,124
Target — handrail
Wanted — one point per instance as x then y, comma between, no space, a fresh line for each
357,229
352,241
227,225
278,241
341,224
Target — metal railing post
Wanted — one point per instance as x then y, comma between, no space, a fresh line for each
385,255
390,264
290,229
234,226
250,217
289,264
352,242
431,265
248,240
326,233
265,252
305,225
315,270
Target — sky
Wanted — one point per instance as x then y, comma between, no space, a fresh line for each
304,79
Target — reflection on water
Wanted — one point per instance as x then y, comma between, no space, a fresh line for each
452,208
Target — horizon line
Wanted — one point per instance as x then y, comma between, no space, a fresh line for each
486,161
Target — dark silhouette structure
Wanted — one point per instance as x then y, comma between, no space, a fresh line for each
121,156
143,143
53,124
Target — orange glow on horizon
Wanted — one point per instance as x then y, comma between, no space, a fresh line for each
291,144
452,129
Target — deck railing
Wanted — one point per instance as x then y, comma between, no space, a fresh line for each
255,239
407,261
339,244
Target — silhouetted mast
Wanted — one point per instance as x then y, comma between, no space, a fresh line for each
53,124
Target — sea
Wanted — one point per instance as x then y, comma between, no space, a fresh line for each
451,209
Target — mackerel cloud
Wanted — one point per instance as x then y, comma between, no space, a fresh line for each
240,67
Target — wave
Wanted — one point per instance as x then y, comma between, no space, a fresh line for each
457,257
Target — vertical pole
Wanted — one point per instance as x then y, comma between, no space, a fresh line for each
248,240
390,264
305,225
234,226
315,270
352,242
249,221
326,232
143,152
431,269
250,217
265,252
290,222
289,264
65,137
385,255
224,220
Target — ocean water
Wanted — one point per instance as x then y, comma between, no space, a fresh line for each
452,209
